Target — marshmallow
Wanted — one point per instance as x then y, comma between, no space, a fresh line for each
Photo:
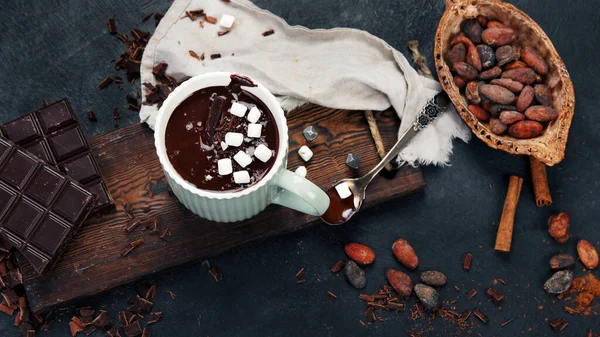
226,21
301,171
343,190
253,115
238,109
254,130
241,177
224,146
234,138
242,158
305,153
263,153
224,166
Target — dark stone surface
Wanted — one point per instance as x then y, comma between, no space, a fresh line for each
55,49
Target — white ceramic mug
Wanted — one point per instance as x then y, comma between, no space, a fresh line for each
279,186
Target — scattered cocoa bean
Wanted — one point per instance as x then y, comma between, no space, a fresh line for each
509,117
465,70
433,278
497,94
460,81
486,104
498,36
401,282
509,84
360,253
355,275
495,24
473,57
587,254
525,98
559,282
505,54
541,113
486,55
461,38
428,296
497,127
523,75
542,94
562,261
405,254
472,92
533,59
559,227
479,113
526,129
496,109
482,20
490,74
515,65
458,53
472,29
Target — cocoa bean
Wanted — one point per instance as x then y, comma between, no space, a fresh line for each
498,36
542,94
482,20
514,65
472,30
472,92
491,73
525,98
523,75
473,57
587,254
558,227
497,127
509,84
505,54
458,53
533,59
460,81
428,296
433,278
359,253
465,70
479,113
460,38
355,275
486,55
494,23
525,129
405,254
401,282
486,104
496,109
509,117
562,261
559,282
497,94
541,113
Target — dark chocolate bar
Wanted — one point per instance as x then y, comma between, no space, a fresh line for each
40,208
53,134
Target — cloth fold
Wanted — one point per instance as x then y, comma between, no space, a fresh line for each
339,68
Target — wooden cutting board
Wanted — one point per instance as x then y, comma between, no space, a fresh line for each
92,262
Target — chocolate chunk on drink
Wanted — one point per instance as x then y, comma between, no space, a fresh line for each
214,116
40,208
53,134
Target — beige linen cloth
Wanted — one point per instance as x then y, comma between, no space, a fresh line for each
339,68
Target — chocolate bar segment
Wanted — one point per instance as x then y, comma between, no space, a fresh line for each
53,134
40,208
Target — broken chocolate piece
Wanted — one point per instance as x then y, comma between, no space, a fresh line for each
471,294
337,267
268,32
215,56
224,32
160,69
211,19
133,329
558,325
140,305
214,116
482,317
102,321
105,82
155,317
112,26
495,295
216,273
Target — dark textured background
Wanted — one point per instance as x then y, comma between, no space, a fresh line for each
52,49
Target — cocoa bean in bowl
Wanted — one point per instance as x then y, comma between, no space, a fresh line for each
505,78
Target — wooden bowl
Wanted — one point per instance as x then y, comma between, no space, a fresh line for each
549,147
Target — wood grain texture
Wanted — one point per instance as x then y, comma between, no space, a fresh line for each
92,262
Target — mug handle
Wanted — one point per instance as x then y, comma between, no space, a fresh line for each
300,194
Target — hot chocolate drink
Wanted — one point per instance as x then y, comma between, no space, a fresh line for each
222,138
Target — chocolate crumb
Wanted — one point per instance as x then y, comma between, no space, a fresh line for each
173,295
194,55
457,288
215,56
211,19
216,273
471,294
147,17
332,295
338,266
105,82
505,323
268,32
224,32
131,227
155,317
482,317
495,295
300,281
299,273
501,281
118,79
112,26
468,259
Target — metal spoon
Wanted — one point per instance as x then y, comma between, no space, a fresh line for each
358,186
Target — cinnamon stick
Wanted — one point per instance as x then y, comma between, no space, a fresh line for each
540,183
505,229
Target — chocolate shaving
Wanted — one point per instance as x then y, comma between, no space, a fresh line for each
131,227
467,261
337,266
558,325
91,115
173,295
147,17
105,82
215,56
505,323
194,55
211,19
112,26
332,295
299,273
495,295
300,281
163,235
216,273
482,317
471,294
118,79
268,32
155,317
224,32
